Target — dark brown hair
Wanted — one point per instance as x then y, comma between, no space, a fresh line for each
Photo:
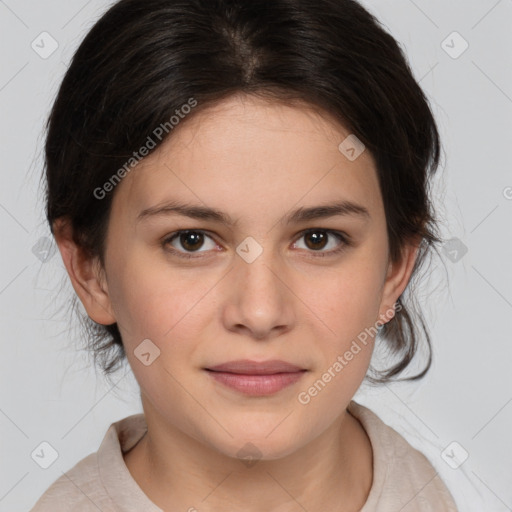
144,59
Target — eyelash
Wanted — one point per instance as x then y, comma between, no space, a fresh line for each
342,237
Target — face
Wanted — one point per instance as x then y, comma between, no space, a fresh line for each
272,278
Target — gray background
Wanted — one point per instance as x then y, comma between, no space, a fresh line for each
51,393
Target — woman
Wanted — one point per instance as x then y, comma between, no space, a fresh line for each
239,192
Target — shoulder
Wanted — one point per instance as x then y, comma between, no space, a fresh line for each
78,489
100,480
403,476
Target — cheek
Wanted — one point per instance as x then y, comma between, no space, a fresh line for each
348,304
157,302
345,307
347,299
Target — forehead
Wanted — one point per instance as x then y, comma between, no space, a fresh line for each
251,153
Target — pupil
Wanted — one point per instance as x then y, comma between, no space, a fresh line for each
194,237
316,237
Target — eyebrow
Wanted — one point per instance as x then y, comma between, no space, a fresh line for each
323,211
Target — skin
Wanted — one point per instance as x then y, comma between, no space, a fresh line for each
256,161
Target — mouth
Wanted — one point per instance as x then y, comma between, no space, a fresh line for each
248,367
256,378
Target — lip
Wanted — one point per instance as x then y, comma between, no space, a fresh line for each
249,367
256,378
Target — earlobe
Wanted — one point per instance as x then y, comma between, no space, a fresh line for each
86,275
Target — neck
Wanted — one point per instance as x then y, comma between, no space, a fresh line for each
177,472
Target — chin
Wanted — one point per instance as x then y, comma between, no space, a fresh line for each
259,445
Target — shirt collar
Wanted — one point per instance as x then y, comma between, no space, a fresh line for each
115,475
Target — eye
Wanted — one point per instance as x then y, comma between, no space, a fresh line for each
317,239
190,240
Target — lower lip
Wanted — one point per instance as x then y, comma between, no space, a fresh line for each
257,385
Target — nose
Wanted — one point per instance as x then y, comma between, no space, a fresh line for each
259,301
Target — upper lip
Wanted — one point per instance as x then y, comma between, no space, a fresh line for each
248,367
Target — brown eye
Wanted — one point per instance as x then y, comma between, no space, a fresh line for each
190,241
316,240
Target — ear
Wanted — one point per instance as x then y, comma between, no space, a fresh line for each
397,278
86,274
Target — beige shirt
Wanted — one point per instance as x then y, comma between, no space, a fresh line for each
403,478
